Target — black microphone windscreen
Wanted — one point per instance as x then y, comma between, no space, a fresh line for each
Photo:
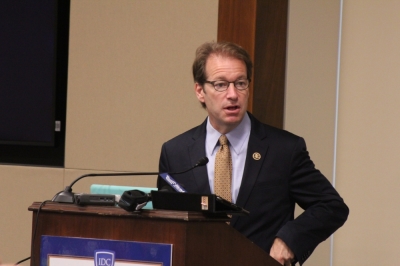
202,161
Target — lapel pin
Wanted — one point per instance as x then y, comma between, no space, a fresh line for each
256,156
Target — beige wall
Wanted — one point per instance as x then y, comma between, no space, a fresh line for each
368,169
130,89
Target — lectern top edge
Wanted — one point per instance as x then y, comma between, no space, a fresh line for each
118,212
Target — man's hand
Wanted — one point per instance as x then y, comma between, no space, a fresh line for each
282,253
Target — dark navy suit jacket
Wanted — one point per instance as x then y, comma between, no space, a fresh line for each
271,185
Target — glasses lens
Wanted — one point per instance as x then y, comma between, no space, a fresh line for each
241,84
221,85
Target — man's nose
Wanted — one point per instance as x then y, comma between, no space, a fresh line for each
231,91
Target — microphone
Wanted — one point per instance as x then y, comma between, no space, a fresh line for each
67,196
172,184
134,200
201,162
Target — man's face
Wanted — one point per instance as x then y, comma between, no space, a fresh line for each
227,108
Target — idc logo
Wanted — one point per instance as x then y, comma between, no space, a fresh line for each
104,258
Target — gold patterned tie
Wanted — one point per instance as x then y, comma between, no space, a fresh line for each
223,170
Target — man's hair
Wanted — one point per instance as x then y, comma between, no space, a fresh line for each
227,49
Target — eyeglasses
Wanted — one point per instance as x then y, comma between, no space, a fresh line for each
223,85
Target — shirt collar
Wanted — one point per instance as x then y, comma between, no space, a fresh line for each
237,137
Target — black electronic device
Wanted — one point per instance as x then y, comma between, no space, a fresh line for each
95,199
33,81
209,203
133,200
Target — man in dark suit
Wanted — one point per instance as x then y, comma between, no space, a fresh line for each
271,168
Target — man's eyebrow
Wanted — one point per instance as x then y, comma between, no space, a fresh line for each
225,79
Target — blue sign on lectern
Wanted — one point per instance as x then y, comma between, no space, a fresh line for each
55,250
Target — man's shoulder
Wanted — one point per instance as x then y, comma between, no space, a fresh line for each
187,136
269,131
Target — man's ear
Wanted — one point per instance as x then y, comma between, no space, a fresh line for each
198,89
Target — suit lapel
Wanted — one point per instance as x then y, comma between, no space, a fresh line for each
256,155
196,151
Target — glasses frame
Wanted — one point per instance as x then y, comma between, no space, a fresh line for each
229,83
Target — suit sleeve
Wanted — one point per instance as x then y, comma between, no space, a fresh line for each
163,165
324,209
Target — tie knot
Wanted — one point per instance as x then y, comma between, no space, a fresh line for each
223,140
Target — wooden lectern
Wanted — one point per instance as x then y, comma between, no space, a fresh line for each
197,239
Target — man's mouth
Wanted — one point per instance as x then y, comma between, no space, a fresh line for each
232,108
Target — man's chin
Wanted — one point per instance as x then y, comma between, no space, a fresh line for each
233,121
